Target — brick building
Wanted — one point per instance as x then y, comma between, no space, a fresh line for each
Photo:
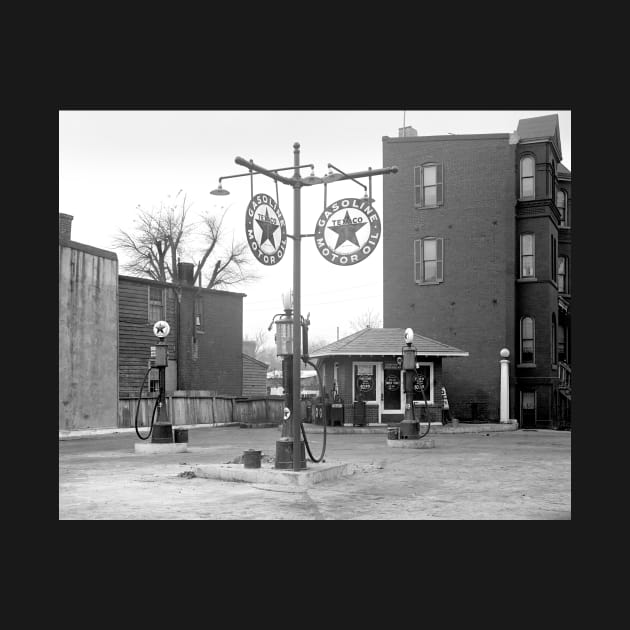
477,253
205,342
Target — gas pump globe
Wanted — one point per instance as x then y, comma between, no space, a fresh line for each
284,336
284,327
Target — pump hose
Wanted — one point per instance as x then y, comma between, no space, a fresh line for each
413,413
144,380
321,393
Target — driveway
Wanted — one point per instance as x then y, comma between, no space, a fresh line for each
512,475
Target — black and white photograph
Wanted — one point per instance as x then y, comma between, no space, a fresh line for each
315,314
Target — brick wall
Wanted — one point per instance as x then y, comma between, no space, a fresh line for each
473,308
218,363
65,226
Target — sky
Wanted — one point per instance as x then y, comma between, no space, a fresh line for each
112,161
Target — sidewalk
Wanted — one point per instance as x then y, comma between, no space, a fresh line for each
494,475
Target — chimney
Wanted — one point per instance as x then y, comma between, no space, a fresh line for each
407,132
185,273
65,226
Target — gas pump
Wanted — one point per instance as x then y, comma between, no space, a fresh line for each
410,427
284,349
160,432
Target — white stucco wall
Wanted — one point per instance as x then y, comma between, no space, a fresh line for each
88,339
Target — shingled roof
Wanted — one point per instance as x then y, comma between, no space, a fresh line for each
564,172
386,342
541,128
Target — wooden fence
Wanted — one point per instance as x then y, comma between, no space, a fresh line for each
196,407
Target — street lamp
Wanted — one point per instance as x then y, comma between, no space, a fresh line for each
297,182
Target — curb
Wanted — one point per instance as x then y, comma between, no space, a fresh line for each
88,433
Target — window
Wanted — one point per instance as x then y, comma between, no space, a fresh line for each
563,264
423,380
527,255
428,185
562,344
527,177
554,258
365,386
198,313
554,350
428,259
156,304
561,203
527,340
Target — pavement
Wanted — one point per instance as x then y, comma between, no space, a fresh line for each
493,475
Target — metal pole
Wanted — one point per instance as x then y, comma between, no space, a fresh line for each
297,333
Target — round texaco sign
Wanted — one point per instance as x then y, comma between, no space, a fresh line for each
161,329
265,229
347,231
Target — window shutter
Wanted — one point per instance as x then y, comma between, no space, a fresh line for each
439,182
417,260
440,259
417,175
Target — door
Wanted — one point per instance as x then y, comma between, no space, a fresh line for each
528,410
366,383
392,391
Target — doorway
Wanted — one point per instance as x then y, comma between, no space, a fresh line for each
392,390
528,410
366,383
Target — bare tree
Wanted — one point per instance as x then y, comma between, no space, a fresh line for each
315,343
368,319
267,354
260,339
162,236
151,247
232,264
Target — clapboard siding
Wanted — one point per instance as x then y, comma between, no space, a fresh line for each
254,377
135,332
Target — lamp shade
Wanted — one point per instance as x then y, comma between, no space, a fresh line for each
219,191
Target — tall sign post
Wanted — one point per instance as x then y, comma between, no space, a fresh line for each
347,229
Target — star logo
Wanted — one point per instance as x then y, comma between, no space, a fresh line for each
161,329
347,231
353,243
268,228
263,239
